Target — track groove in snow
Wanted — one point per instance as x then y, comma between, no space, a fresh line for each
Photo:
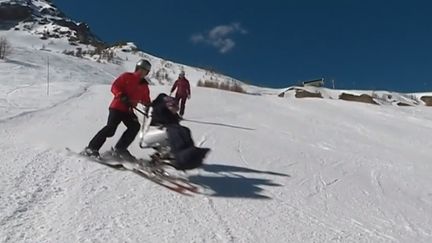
33,188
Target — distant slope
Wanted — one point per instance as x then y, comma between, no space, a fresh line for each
364,96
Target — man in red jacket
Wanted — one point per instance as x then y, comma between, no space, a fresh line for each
183,91
128,89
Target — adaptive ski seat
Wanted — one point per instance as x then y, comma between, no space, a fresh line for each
173,144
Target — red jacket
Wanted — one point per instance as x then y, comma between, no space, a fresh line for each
131,85
183,87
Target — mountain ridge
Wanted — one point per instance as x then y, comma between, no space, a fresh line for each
53,31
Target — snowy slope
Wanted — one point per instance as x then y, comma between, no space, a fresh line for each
280,170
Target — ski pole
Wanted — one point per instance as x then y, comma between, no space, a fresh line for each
140,111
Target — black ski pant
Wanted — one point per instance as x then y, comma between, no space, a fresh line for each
114,118
186,155
181,101
179,137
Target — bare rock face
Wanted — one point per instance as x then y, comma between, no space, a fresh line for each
427,100
403,104
35,14
300,93
358,98
14,13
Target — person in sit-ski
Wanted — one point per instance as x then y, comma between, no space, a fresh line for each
186,155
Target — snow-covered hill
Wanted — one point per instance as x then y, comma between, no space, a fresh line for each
42,19
364,96
280,170
40,25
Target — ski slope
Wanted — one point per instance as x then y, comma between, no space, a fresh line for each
280,170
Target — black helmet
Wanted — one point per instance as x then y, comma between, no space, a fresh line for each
143,64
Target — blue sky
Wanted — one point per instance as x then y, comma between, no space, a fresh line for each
360,44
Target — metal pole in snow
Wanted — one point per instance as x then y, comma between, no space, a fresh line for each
48,76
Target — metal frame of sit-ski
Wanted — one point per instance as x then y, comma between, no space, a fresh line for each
155,138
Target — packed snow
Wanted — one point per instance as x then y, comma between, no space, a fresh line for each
280,169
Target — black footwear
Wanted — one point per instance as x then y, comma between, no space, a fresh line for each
91,152
124,154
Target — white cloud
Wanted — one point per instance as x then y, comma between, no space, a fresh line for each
197,38
220,36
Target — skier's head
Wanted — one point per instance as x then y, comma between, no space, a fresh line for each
166,102
143,66
182,74
171,104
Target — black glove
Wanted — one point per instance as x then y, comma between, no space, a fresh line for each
125,99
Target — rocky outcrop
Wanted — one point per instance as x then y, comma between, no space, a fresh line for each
301,93
14,13
427,100
358,98
82,30
403,104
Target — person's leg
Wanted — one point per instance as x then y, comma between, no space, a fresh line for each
114,119
131,122
186,155
182,105
177,99
186,136
174,137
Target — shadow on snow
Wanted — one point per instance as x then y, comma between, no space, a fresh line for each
229,183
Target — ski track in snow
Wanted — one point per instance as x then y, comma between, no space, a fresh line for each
25,113
32,189
227,233
241,155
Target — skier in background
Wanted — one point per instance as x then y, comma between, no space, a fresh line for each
128,89
183,91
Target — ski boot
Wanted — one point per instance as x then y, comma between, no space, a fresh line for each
93,153
123,154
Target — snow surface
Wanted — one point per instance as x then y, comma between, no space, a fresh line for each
280,170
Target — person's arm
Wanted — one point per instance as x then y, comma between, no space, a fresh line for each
188,89
118,86
145,99
174,87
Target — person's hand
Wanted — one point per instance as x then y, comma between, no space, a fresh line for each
125,99
146,109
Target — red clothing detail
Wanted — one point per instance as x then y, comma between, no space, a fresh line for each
183,87
129,84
